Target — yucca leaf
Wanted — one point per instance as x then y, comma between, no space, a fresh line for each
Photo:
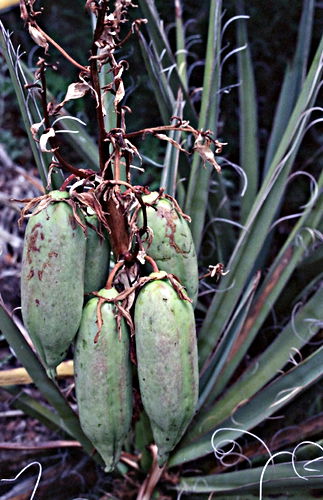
219,230
299,330
13,63
300,438
309,449
162,91
200,200
170,169
38,374
246,416
164,54
291,495
180,44
218,359
248,120
34,409
156,30
293,80
261,216
290,256
247,481
278,275
197,193
304,40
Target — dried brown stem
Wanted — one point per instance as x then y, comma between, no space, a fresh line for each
162,128
82,174
130,459
118,225
60,49
116,173
153,476
143,229
153,263
46,445
28,15
66,182
113,273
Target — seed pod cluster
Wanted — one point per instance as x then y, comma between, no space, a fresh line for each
66,256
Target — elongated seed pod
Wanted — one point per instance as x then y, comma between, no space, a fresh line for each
52,279
172,246
97,258
103,380
167,362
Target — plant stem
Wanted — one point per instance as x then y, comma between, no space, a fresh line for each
152,263
102,144
113,273
60,49
116,173
153,476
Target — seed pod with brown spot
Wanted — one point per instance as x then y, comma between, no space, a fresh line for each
172,245
52,279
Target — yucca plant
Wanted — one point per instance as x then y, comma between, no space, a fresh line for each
231,448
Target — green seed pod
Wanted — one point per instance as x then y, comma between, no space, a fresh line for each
172,246
167,362
103,380
97,258
52,279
